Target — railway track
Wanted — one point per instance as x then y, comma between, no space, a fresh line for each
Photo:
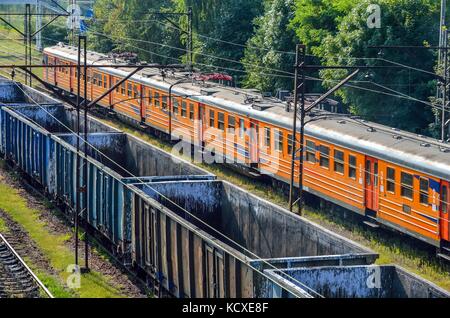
17,280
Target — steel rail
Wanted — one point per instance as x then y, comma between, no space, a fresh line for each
35,278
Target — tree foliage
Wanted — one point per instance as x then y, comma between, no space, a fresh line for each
270,48
228,21
334,31
408,22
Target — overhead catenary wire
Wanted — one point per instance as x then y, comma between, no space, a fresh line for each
398,94
277,51
407,97
157,192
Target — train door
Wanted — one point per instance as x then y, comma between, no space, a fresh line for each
253,142
57,69
372,183
201,123
142,100
72,86
444,214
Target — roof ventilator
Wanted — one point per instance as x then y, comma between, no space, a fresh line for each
208,91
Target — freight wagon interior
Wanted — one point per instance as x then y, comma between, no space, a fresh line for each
264,229
131,157
18,94
362,281
60,119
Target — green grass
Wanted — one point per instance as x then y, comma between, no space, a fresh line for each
55,248
3,227
13,51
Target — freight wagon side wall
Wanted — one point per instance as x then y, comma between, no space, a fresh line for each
25,144
261,227
361,282
105,191
107,199
187,261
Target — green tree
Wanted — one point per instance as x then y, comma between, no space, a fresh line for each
314,20
269,48
345,41
228,21
131,25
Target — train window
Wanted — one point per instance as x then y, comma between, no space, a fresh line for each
221,121
231,123
123,89
352,167
129,90
310,151
444,199
375,174
211,118
99,80
339,161
148,97
368,172
191,111
156,98
324,156
183,109
105,81
135,91
390,180
424,191
94,79
118,87
267,137
175,105
289,144
241,128
407,185
164,102
279,140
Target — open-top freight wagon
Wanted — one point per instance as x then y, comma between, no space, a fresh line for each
193,235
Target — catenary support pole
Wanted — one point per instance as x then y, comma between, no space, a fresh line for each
302,56
85,163
294,131
444,88
78,158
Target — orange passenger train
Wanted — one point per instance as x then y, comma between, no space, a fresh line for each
392,177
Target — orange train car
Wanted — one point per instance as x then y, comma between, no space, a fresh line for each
392,177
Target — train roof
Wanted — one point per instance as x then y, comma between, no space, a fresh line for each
416,152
